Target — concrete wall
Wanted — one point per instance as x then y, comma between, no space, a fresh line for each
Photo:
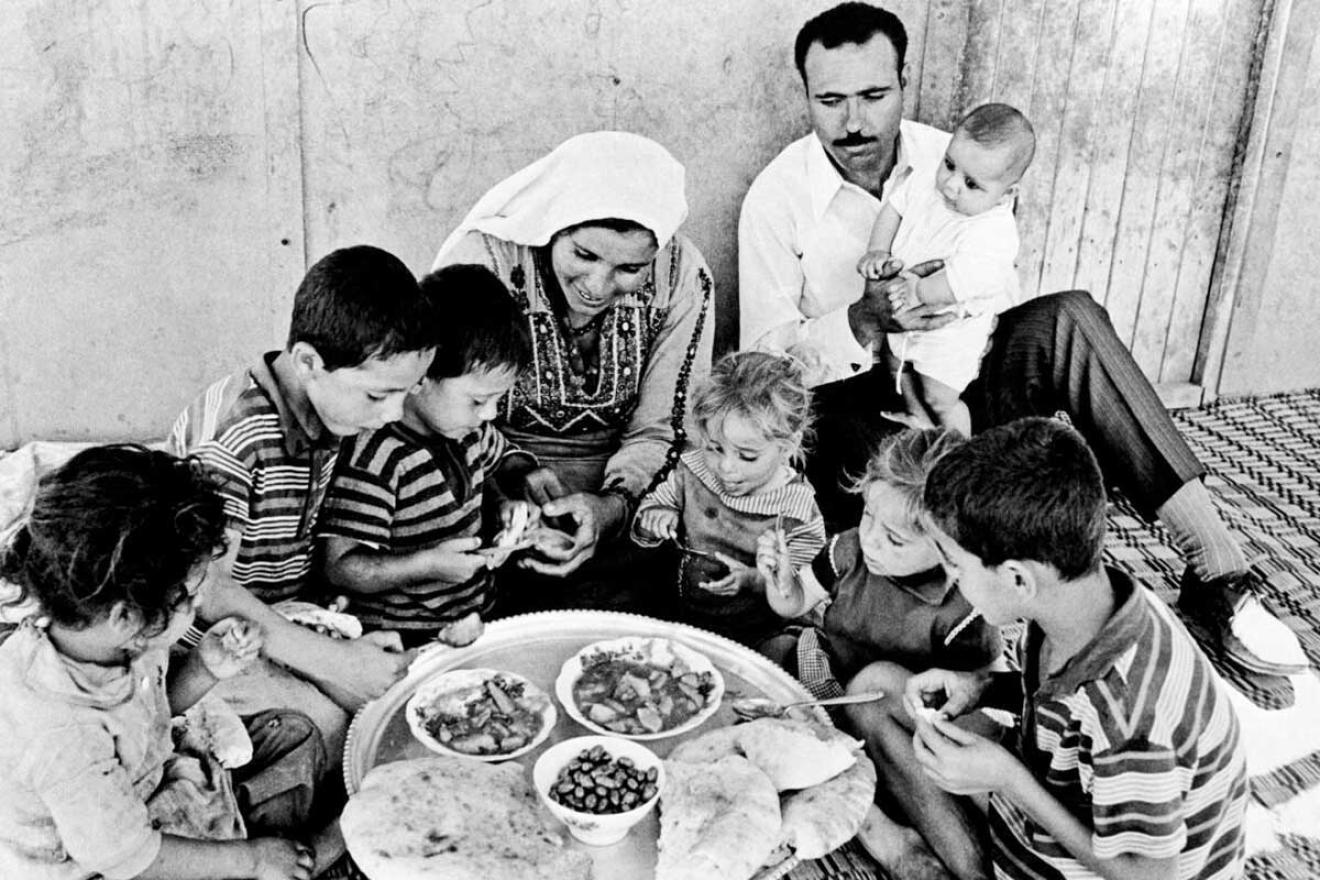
168,169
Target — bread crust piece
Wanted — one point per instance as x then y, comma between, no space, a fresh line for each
816,819
717,819
820,819
796,754
457,819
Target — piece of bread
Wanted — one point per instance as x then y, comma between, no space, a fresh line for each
796,754
820,819
717,820
444,818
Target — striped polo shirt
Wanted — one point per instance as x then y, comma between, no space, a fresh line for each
403,491
273,460
1136,737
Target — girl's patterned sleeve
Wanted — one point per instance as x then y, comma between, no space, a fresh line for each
805,538
679,359
667,495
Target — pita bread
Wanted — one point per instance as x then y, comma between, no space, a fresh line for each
796,754
718,819
718,743
457,819
820,819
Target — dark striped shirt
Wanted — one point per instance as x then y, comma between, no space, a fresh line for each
1136,737
273,460
398,490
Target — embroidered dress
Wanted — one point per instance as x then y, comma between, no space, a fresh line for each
712,520
621,430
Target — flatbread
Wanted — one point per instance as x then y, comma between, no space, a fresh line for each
718,819
456,819
796,754
718,743
820,819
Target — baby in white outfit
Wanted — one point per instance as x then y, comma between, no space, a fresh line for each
962,213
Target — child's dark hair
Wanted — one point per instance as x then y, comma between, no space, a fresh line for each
1001,125
115,524
480,325
902,462
853,23
358,303
768,390
1030,490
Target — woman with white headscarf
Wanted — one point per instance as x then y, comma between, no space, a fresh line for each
619,310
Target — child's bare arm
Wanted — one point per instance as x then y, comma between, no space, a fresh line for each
884,230
660,512
879,246
226,649
361,568
784,589
1027,792
350,672
265,858
962,762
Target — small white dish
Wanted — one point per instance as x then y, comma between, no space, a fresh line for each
596,829
458,692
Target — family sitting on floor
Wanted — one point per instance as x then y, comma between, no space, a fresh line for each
556,365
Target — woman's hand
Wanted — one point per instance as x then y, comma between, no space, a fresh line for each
659,522
274,858
740,577
962,762
589,516
230,646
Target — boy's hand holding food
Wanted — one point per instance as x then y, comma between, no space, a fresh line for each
456,561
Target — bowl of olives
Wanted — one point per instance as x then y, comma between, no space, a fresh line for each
599,786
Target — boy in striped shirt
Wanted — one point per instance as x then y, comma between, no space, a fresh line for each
404,522
360,338
1128,762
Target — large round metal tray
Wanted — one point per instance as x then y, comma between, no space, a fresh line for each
536,646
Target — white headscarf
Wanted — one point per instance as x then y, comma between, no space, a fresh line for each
592,176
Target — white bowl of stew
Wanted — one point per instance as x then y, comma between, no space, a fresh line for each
486,714
640,688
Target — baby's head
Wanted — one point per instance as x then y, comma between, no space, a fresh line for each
116,547
482,347
753,414
894,542
989,152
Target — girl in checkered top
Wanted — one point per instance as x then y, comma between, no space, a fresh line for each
752,415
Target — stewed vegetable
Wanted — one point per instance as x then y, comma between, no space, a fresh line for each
493,718
631,696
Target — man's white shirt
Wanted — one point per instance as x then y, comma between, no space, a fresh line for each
801,232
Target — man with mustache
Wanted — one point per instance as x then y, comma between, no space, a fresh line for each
805,223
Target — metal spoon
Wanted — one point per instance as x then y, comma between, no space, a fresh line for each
761,707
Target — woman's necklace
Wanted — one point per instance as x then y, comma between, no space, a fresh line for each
582,344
